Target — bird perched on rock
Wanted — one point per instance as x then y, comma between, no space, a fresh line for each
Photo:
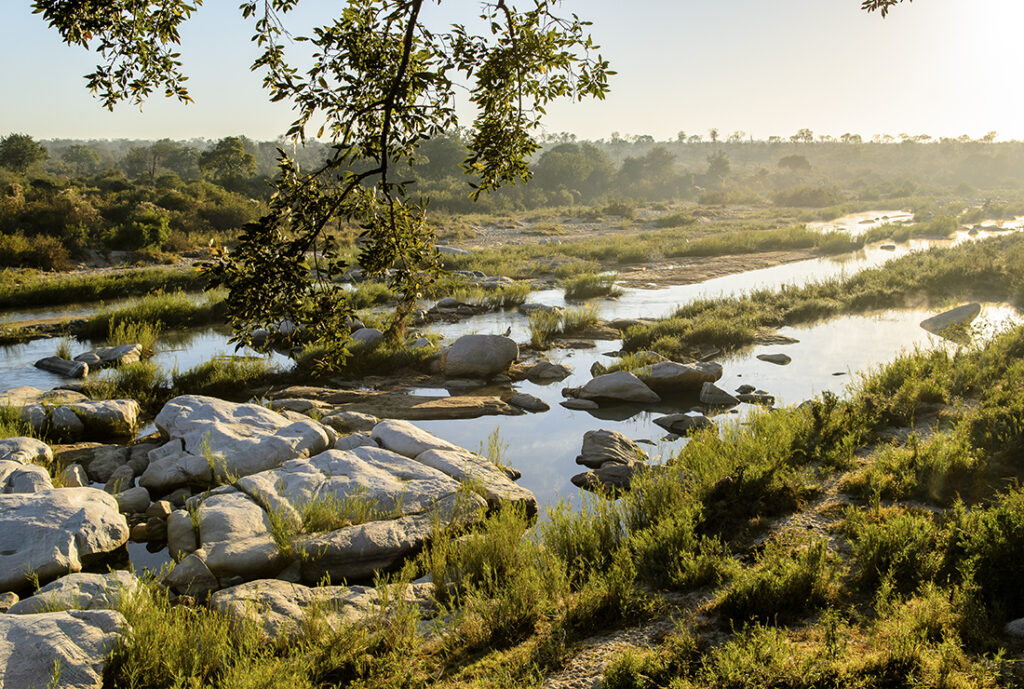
508,331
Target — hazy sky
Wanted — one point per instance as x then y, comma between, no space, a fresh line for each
767,67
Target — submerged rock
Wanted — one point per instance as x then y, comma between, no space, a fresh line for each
715,396
684,424
54,532
779,359
63,367
671,377
111,356
961,315
528,402
78,642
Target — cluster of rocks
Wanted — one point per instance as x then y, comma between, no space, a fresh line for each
70,415
613,459
92,360
644,386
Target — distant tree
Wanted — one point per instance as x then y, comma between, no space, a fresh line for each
19,152
713,134
826,138
643,139
803,136
794,163
989,138
83,159
694,139
718,166
775,139
681,136
582,168
737,137
851,138
228,163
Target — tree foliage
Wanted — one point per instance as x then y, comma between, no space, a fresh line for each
382,82
19,152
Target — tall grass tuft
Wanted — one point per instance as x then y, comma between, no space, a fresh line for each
544,325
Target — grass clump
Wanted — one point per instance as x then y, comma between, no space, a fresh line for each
545,325
225,376
171,310
142,381
590,285
31,289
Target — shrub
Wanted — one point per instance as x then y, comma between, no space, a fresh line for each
589,285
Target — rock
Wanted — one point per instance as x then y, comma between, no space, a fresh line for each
236,439
79,592
63,367
133,501
757,398
684,424
140,533
178,497
620,386
296,405
73,476
349,421
447,303
609,478
23,478
25,451
181,535
161,509
156,530
961,315
745,389
624,324
528,402
479,356
1015,628
357,553
580,405
670,377
21,396
54,532
65,424
108,418
111,356
467,467
7,600
780,359
354,440
78,642
604,447
889,247
545,371
104,461
281,607
122,479
191,577
138,457
367,337
597,369
407,439
714,396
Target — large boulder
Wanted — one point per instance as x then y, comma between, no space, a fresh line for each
407,439
714,396
671,377
280,607
108,418
54,532
25,451
79,591
23,478
603,447
479,356
77,642
211,438
620,386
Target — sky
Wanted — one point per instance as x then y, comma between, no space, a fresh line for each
765,67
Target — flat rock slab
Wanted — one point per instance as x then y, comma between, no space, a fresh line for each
78,641
401,405
54,532
19,397
280,607
961,315
620,386
79,591
111,356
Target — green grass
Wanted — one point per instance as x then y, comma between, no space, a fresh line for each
590,285
226,376
545,325
156,311
28,288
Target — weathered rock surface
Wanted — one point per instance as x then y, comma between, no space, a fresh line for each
349,421
528,402
212,438
280,607
354,440
111,356
620,386
407,439
715,396
610,477
102,461
63,367
1015,628
671,377
108,418
479,356
466,466
603,447
132,501
25,451
684,424
961,315
78,641
23,478
545,371
54,532
79,591
73,476
580,405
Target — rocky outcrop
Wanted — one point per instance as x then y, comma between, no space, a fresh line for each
79,592
479,356
669,377
280,607
78,642
212,439
54,532
960,316
620,386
